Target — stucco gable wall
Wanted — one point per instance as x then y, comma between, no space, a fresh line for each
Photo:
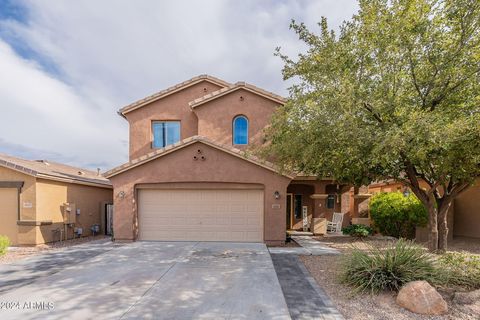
172,107
215,117
180,167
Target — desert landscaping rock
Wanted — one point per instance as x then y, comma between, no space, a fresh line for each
421,297
471,300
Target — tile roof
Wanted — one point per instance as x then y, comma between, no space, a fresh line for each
163,93
53,171
186,142
239,85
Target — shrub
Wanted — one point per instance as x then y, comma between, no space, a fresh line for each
357,230
4,244
387,269
459,269
397,215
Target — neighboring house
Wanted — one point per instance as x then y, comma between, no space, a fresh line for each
192,175
463,218
42,201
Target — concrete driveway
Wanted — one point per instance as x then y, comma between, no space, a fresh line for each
146,280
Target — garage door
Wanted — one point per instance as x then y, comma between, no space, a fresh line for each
201,215
9,213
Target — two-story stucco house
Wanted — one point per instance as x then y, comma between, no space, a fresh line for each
190,176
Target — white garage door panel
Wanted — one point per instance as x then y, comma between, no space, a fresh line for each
201,215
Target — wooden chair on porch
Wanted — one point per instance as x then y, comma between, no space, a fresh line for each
336,224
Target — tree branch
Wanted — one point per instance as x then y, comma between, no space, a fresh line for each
369,108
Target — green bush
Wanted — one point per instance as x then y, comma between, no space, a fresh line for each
357,230
4,244
390,268
459,269
397,215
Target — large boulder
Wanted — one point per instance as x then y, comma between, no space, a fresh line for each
421,297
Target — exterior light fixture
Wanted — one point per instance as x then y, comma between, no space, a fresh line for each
276,194
121,194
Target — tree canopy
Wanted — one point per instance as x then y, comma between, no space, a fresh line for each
395,95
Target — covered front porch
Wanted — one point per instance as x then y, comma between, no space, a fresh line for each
312,202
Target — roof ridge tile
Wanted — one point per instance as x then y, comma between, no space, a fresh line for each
238,85
150,98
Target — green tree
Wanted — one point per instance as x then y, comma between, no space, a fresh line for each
395,95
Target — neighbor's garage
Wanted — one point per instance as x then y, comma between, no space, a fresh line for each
9,213
201,215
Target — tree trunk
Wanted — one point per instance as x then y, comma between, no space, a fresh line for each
443,225
433,227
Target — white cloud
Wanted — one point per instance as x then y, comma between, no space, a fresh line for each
43,113
109,53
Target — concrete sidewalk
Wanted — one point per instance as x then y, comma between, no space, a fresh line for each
305,299
308,247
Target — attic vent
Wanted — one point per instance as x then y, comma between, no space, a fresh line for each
44,162
205,90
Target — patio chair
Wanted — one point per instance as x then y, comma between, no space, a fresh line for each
336,224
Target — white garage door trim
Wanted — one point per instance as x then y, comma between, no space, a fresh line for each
201,215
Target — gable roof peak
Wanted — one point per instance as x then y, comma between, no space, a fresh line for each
173,89
238,85
188,141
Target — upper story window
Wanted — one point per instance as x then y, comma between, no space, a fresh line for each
165,133
240,130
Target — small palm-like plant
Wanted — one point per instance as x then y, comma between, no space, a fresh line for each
389,268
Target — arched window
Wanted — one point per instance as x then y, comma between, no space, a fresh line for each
240,130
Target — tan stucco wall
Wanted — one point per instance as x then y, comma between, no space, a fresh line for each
467,212
27,203
173,107
27,195
219,167
215,118
51,196
9,213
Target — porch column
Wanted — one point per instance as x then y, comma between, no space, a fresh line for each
318,225
319,200
354,201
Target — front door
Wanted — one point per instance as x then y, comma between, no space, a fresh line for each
289,210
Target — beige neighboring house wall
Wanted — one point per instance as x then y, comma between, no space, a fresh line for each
467,212
11,201
51,195
42,196
9,213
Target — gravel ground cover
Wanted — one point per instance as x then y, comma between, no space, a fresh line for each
325,269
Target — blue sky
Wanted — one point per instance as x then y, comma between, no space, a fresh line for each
68,66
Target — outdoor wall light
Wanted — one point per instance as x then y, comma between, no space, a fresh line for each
276,194
121,194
